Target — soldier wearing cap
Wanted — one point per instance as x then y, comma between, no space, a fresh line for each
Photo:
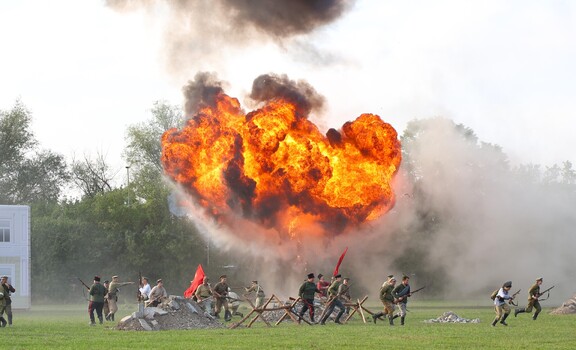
220,292
157,294
255,287
387,299
6,289
500,303
204,295
113,296
97,293
306,293
334,301
533,295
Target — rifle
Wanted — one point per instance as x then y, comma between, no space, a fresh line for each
546,291
514,296
84,284
139,296
417,290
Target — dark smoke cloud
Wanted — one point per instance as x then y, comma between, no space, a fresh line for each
268,87
199,33
201,92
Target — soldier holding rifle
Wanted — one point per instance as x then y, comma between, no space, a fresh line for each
306,293
204,295
500,303
334,301
387,299
533,299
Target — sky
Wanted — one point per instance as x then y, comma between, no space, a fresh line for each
87,70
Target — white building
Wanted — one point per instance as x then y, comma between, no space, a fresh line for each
15,251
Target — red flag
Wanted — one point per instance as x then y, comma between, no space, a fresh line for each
340,262
198,279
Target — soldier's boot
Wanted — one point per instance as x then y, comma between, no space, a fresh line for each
239,314
112,317
377,316
227,315
535,316
494,322
92,321
100,319
396,316
10,319
519,311
2,322
503,321
402,320
391,318
337,320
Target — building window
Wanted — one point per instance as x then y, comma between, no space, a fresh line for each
4,231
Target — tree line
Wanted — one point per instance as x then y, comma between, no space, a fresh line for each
127,230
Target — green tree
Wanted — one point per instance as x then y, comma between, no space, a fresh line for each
27,173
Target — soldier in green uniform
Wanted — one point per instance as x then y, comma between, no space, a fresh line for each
2,307
306,292
97,292
334,301
113,290
220,292
6,288
533,295
387,299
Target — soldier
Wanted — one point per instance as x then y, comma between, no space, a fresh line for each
322,286
255,287
533,295
344,293
500,304
387,299
401,294
106,308
306,292
234,303
204,295
113,296
7,289
97,292
334,301
220,292
157,294
145,289
2,307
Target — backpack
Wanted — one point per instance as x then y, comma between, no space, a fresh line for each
494,294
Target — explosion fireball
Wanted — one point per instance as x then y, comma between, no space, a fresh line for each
273,166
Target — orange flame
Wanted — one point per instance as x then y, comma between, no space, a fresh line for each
274,167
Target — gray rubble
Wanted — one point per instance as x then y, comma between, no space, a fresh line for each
568,307
175,313
451,317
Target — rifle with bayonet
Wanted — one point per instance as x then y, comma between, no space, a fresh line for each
511,302
546,291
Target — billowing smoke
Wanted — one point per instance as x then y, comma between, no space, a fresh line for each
466,220
198,31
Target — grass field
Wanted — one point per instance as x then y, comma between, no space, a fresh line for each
66,327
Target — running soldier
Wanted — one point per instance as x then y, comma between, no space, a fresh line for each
334,301
306,293
220,292
500,304
401,294
387,299
533,295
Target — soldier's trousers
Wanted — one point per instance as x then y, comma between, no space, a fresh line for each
501,310
113,306
95,306
219,303
8,310
535,304
308,305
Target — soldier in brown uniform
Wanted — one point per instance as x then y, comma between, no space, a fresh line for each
6,288
387,299
204,295
255,287
113,290
220,292
533,295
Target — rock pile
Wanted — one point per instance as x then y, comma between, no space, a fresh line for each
568,307
451,317
175,313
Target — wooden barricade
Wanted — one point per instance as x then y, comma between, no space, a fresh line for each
288,311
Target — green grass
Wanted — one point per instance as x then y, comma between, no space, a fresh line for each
66,327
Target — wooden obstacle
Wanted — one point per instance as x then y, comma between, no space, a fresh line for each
288,311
